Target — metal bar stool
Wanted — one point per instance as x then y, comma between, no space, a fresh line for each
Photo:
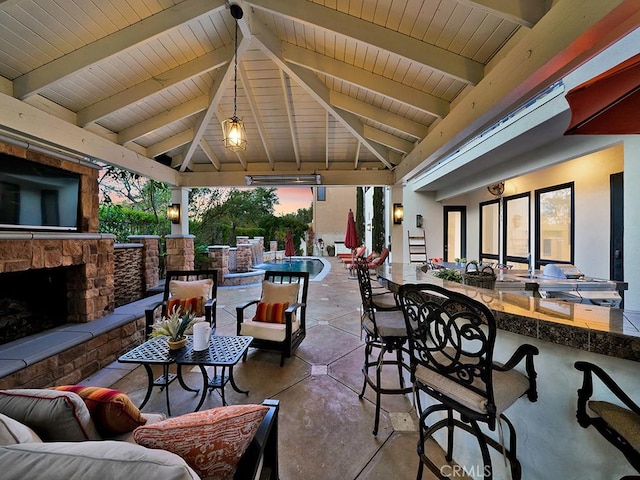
451,340
384,328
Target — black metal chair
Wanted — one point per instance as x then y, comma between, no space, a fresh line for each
618,424
384,328
451,340
185,284
278,287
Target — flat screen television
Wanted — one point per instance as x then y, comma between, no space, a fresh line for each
37,197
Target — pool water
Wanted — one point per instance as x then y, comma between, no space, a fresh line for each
311,265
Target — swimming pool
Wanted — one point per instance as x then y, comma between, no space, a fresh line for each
317,267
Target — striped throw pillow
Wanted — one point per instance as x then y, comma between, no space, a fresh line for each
193,304
111,410
270,312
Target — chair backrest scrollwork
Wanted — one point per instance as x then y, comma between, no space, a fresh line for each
451,334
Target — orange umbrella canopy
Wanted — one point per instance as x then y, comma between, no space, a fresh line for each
351,237
609,103
289,249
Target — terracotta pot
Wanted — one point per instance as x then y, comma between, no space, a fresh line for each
177,345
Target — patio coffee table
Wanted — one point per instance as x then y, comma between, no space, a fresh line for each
155,351
223,352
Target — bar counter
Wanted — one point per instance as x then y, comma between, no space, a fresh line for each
608,331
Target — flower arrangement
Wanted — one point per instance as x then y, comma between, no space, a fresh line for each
175,325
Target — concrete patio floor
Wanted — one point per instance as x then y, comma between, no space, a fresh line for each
325,430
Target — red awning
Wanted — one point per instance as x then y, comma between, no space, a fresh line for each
608,104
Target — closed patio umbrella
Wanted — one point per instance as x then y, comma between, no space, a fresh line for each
351,237
289,249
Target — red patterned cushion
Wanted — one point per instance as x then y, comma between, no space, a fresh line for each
193,304
112,411
270,312
211,441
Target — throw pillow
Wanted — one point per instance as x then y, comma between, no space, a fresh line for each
279,292
271,312
12,432
111,410
188,289
55,416
192,304
211,441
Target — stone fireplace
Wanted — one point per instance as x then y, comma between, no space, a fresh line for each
57,278
63,283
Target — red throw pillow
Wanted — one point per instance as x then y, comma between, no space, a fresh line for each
270,312
193,304
111,410
211,441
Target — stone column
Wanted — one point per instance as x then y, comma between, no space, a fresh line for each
273,245
180,252
150,258
243,257
219,259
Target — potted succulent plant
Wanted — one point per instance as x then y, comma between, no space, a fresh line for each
174,327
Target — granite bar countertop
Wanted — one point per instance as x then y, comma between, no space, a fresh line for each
605,330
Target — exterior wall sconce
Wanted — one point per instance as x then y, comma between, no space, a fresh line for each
418,221
398,213
173,213
368,227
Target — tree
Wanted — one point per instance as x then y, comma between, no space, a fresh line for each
378,233
360,213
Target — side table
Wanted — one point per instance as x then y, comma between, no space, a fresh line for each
155,351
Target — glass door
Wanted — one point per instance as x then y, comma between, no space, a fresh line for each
455,233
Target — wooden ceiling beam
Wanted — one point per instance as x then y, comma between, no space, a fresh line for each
412,49
362,78
140,32
163,119
123,99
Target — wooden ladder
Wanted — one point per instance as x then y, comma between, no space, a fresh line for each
417,247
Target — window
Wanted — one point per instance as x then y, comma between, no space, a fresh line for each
321,194
490,231
554,224
516,230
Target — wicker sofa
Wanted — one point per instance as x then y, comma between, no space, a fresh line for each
57,435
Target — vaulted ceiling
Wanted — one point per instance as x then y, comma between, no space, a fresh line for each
359,91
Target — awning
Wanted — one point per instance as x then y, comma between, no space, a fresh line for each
608,104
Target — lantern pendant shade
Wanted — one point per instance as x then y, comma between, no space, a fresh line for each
235,137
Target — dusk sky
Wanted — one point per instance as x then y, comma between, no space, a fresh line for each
292,199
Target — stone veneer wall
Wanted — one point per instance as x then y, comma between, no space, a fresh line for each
150,258
129,282
77,363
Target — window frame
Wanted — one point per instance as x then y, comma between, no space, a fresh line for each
505,219
540,262
482,254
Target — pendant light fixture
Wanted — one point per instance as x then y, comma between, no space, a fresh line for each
235,137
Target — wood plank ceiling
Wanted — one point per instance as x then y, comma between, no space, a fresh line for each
345,88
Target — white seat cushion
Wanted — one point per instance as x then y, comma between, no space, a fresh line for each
275,332
507,388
